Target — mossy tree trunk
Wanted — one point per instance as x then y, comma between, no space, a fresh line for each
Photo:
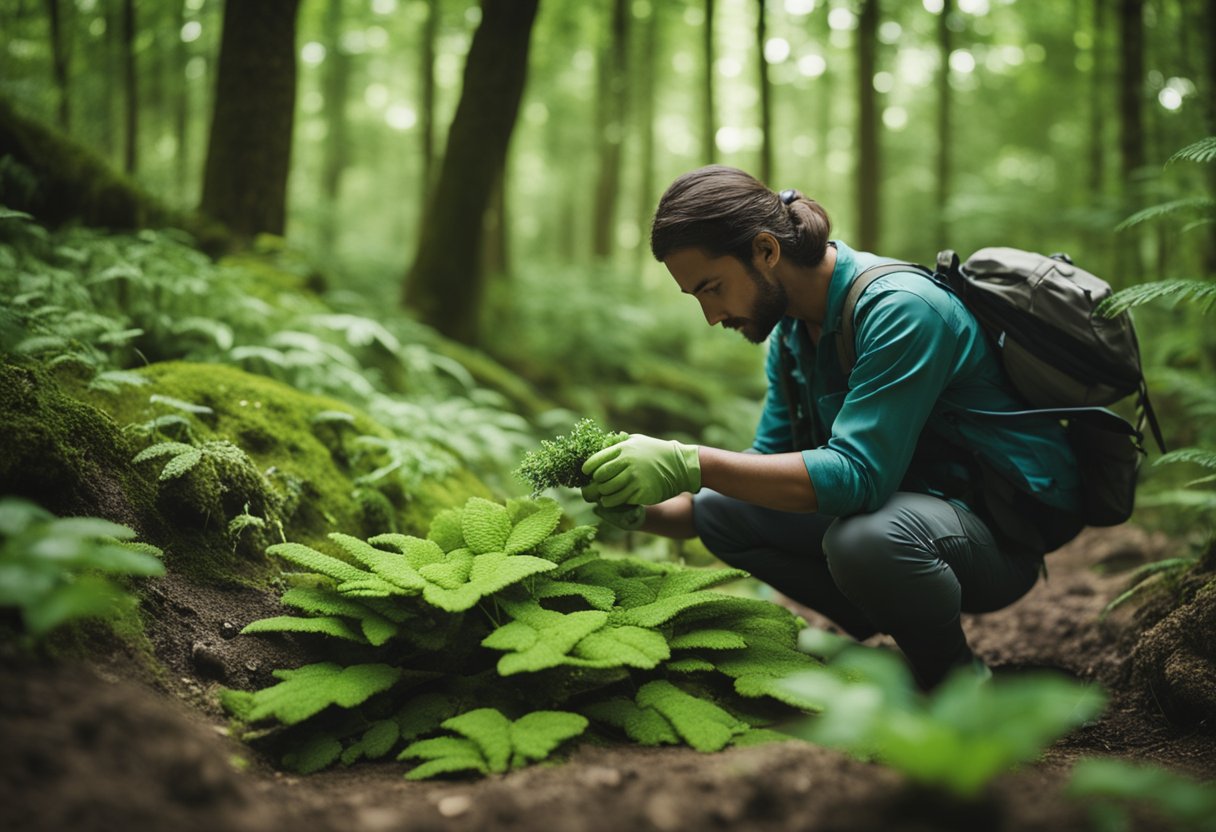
430,33
337,84
610,112
867,127
766,97
59,61
445,285
249,151
709,124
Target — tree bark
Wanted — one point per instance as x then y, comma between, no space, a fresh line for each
445,285
1097,108
868,161
645,115
611,116
709,126
130,88
181,108
430,32
249,152
766,95
945,145
337,83
60,62
1131,129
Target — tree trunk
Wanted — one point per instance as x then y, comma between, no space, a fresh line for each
709,126
766,95
1097,104
945,145
1208,21
611,115
867,128
646,110
181,108
130,88
249,152
59,60
1131,126
337,83
446,284
496,259
430,32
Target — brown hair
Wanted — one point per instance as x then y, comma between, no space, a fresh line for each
721,210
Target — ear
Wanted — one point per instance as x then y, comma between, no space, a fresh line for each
766,250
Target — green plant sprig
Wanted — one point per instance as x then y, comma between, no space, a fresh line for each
559,461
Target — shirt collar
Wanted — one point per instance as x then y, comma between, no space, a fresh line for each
842,277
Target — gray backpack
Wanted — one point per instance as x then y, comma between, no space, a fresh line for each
1065,361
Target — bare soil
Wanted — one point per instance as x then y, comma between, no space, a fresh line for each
108,746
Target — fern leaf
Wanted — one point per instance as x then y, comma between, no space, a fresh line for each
315,561
701,724
370,587
162,449
757,685
1203,150
693,580
423,714
1197,456
556,634
178,404
625,646
487,573
485,525
658,613
597,597
417,552
321,625
490,730
443,755
393,568
568,544
446,530
1200,292
1153,212
453,572
534,736
708,639
314,754
513,636
689,664
569,567
308,690
531,530
377,741
181,464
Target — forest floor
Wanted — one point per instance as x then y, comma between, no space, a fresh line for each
92,747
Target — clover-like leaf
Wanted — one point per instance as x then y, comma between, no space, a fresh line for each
485,526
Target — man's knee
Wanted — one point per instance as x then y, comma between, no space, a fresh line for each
859,550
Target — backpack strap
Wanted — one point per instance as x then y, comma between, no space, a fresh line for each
802,428
846,345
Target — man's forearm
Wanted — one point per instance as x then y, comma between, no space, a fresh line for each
778,481
671,518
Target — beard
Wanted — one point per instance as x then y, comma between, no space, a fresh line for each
767,310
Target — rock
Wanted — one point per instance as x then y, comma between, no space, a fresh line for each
455,805
208,661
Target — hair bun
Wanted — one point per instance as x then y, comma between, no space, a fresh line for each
788,196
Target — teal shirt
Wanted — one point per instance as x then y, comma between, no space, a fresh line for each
923,363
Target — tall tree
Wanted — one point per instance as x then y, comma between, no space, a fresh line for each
249,152
430,32
647,51
1097,102
766,95
868,174
60,61
945,146
610,114
130,88
336,85
1131,123
709,125
446,283
181,105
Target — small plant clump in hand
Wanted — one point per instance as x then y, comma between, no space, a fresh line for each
560,461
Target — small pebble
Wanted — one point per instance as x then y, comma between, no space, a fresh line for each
252,666
455,805
228,629
603,776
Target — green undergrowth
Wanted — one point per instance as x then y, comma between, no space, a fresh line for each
499,636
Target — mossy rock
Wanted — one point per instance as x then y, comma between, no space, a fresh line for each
66,455
306,463
1174,662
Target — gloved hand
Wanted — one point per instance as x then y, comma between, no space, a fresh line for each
629,518
643,471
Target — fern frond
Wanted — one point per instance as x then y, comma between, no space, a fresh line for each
162,449
178,404
308,690
1203,151
322,625
1153,212
700,723
1200,292
1196,456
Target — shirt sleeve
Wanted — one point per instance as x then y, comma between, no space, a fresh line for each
906,354
774,433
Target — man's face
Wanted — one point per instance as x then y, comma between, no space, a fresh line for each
731,293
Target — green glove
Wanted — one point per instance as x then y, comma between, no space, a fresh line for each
629,518
643,471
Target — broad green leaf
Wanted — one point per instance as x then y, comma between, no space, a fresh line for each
446,529
314,754
535,735
490,730
391,567
321,625
700,723
308,690
660,612
597,597
315,561
708,639
417,552
485,525
533,529
627,646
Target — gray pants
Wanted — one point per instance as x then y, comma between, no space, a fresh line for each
908,569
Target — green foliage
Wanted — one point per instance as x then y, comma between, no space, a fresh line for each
1203,150
480,606
1202,293
559,461
1107,786
57,570
958,738
489,742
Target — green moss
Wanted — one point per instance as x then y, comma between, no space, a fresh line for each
306,464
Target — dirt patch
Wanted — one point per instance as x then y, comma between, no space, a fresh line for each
85,749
